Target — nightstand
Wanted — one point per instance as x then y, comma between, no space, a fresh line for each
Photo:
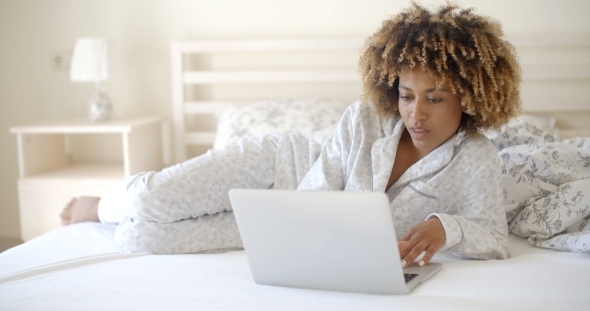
49,176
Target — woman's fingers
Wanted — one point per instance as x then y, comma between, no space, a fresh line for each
414,253
407,239
402,245
427,256
428,236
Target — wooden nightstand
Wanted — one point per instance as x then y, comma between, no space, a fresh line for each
49,177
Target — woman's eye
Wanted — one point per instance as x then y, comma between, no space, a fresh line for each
404,97
435,100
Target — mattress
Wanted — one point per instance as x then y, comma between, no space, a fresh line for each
79,267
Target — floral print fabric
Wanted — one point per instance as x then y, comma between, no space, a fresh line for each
546,186
316,117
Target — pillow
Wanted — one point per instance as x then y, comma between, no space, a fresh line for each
317,117
524,129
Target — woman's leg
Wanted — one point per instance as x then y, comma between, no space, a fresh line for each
196,187
200,186
208,233
187,190
186,208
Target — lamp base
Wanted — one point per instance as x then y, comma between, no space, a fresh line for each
100,109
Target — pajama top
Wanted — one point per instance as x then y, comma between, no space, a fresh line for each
460,182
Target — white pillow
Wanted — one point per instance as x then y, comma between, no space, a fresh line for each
317,117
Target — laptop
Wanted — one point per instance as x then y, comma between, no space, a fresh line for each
326,240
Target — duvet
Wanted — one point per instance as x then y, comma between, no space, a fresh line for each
546,187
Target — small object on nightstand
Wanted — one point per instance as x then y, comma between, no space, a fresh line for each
100,107
90,64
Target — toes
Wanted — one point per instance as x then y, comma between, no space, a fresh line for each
65,218
66,214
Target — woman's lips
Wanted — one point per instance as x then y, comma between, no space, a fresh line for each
419,132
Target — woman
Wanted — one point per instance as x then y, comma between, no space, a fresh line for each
431,82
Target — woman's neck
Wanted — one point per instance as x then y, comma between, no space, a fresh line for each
407,155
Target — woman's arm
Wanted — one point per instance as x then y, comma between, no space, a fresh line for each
480,231
329,172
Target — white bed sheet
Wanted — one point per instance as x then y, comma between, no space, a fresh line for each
79,267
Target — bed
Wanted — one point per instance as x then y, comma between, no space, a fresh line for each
81,267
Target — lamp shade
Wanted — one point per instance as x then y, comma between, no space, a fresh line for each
90,61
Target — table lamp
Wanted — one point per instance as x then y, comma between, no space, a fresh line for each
90,64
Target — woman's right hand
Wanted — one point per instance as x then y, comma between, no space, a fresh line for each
427,237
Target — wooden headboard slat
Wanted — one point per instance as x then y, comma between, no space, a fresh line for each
210,77
271,45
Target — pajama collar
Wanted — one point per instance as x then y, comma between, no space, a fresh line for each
383,153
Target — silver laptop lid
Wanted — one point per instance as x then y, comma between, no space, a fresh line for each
334,240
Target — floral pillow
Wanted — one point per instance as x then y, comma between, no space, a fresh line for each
317,117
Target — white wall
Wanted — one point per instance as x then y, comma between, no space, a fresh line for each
141,30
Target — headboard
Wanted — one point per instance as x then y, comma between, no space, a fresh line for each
556,76
283,51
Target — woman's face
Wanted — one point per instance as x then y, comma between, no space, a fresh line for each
431,116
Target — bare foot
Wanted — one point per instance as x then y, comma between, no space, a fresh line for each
80,209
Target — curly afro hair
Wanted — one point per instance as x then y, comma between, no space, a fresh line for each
453,45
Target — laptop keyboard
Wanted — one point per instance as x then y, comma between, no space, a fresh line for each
410,276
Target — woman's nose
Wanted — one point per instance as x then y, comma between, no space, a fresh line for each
419,109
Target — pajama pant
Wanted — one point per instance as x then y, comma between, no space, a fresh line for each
186,209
